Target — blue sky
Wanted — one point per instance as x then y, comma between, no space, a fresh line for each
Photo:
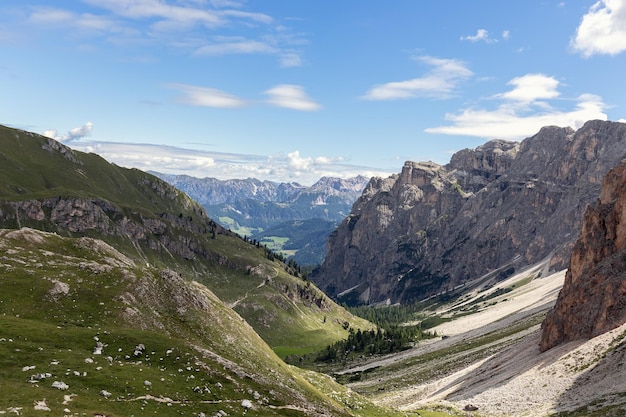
292,90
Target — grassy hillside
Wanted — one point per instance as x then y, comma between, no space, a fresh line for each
47,186
85,330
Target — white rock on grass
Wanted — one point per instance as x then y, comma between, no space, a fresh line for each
105,393
139,349
60,385
247,404
41,405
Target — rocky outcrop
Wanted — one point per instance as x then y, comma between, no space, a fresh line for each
492,209
593,298
80,216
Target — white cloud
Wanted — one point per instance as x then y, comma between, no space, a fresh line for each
72,135
506,34
523,112
291,97
439,82
531,87
602,30
297,162
174,160
206,97
481,35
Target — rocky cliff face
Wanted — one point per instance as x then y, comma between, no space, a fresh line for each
73,215
593,298
492,209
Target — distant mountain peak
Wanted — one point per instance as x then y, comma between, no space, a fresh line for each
254,208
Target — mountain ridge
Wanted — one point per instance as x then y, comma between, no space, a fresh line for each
268,211
501,206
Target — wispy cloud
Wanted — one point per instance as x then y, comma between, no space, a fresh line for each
524,110
482,35
602,30
288,96
197,27
439,82
161,11
291,97
193,95
175,160
60,18
72,135
236,45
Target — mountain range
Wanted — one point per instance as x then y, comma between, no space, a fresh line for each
287,217
434,229
121,296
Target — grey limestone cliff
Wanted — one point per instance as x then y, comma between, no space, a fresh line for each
501,206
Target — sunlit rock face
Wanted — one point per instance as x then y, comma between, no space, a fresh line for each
431,228
593,298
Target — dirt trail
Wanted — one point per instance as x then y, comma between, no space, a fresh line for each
236,302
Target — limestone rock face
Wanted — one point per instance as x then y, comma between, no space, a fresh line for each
593,298
431,228
178,235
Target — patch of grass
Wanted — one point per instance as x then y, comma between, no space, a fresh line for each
434,321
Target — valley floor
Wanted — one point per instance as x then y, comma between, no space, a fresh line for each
490,359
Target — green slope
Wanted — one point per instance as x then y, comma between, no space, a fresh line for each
129,339
47,186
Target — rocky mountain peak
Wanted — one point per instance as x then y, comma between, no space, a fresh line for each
492,209
494,156
348,185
